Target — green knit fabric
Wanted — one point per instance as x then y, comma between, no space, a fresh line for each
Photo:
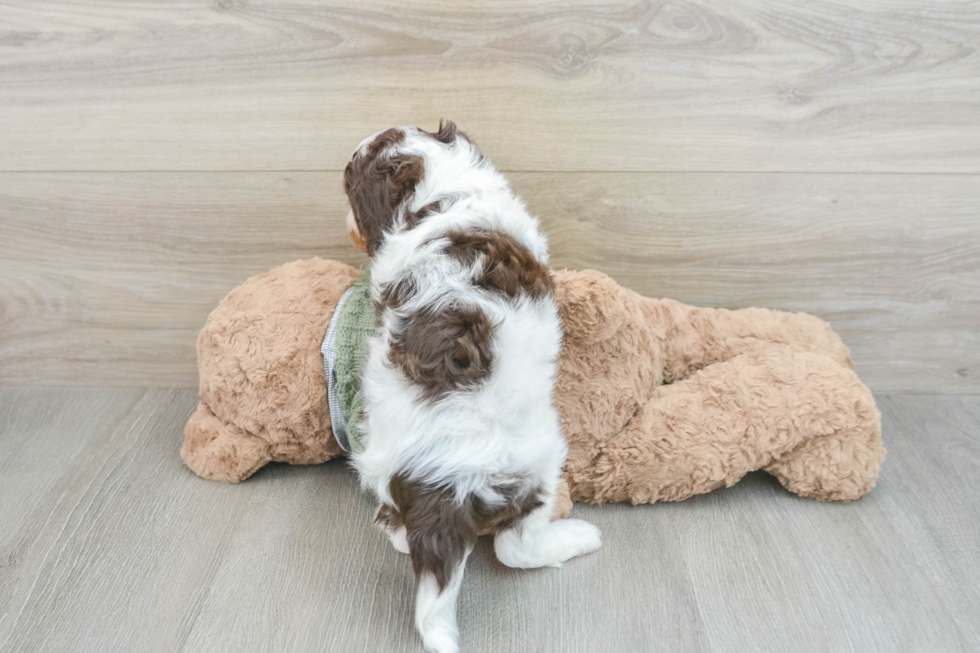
354,325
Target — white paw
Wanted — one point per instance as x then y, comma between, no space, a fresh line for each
399,540
578,537
549,546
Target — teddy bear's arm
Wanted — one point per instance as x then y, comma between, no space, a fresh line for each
220,451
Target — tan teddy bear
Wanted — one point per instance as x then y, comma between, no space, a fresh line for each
659,401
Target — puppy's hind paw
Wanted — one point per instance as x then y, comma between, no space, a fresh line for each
577,537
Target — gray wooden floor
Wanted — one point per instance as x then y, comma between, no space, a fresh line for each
110,544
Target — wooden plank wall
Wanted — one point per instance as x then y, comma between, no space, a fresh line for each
803,155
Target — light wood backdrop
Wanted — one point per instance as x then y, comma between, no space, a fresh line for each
803,155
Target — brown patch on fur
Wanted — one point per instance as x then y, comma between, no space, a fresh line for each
384,140
509,267
389,517
447,132
441,528
393,295
517,505
413,219
376,185
444,349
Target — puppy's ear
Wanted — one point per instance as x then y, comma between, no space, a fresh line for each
377,182
447,131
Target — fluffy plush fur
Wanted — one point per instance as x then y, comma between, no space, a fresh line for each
263,395
659,401
461,435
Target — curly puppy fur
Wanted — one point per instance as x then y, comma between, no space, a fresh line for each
461,433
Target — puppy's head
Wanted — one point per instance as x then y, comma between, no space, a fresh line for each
384,172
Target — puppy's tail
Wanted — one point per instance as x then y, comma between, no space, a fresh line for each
441,530
435,608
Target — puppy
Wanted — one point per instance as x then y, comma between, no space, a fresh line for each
461,437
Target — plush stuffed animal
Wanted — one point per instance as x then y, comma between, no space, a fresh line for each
659,401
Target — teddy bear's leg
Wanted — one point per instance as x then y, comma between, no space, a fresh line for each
697,337
800,415
220,451
563,502
840,466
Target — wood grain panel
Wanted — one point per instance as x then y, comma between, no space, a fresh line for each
792,85
105,278
891,261
111,544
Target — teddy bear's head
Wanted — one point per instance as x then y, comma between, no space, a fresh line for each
590,305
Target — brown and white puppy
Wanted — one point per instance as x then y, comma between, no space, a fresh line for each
461,436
